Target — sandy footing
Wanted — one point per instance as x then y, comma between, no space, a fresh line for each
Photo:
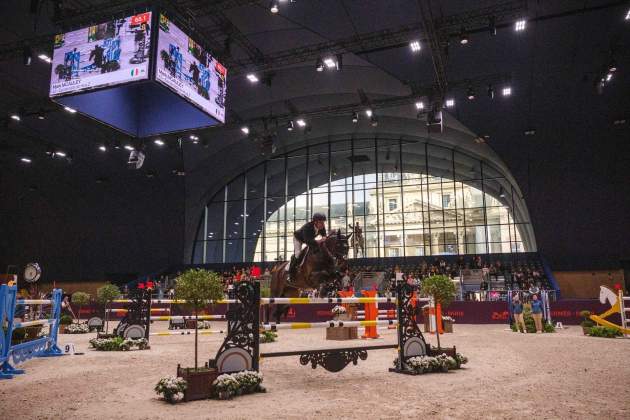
509,375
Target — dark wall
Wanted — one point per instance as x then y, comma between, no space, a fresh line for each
78,229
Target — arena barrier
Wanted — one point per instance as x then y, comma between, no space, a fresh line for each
45,346
241,348
617,303
199,332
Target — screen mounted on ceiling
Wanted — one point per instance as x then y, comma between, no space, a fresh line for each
102,55
186,68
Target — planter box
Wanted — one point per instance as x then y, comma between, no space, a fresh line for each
199,382
448,326
342,333
435,351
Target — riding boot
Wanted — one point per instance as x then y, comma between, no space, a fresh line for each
292,265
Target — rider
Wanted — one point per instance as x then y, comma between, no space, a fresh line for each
306,235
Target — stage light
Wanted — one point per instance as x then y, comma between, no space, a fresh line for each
60,153
41,114
419,105
492,25
339,62
193,137
27,55
70,110
490,92
252,78
245,129
102,148
129,147
470,94
450,103
628,15
374,121
15,117
609,77
501,193
463,37
301,122
25,159
368,112
158,142
612,66
530,132
319,65
355,117
330,63
290,126
520,25
507,91
274,7
415,46
45,58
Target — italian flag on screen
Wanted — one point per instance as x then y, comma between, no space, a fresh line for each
134,72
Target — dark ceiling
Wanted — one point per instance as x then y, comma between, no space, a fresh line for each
93,216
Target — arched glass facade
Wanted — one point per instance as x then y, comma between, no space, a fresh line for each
409,198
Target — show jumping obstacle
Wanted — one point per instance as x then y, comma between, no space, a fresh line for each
241,348
617,302
45,346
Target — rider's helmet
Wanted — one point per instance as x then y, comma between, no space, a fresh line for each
319,217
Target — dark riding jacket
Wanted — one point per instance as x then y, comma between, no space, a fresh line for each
307,233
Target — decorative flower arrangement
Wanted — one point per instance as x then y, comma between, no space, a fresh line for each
171,388
119,344
338,310
439,363
448,319
77,329
204,325
228,385
268,336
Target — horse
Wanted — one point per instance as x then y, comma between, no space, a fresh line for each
320,269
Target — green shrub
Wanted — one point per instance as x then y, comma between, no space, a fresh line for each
80,298
265,292
606,332
65,319
105,295
268,337
441,288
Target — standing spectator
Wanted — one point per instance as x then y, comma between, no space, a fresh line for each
255,272
517,310
537,313
345,281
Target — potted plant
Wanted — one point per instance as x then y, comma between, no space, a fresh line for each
441,289
105,295
586,323
197,287
80,298
64,321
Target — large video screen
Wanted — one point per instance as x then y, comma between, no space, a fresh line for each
102,55
190,71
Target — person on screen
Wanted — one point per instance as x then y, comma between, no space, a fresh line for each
97,55
194,71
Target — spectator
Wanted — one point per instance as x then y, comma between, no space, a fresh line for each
345,280
537,313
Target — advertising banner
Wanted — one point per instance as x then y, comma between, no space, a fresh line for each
102,55
190,71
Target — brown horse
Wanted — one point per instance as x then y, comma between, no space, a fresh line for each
321,270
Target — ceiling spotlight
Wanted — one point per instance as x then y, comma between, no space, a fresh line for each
368,112
530,132
25,159
27,55
415,46
374,121
301,122
463,36
490,92
506,91
45,58
319,65
41,114
355,117
330,63
609,77
470,93
619,121
501,193
193,137
60,153
158,142
129,147
339,62
612,66
15,117
519,25
102,148
274,7
450,103
419,105
290,126
252,78
245,129
70,110
628,15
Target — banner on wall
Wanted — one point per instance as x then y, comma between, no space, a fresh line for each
189,70
102,55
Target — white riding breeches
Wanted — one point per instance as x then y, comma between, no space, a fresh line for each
297,247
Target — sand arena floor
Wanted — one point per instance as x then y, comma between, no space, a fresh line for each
509,375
